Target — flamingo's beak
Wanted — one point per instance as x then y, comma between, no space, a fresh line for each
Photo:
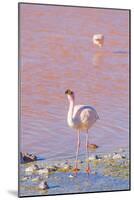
66,92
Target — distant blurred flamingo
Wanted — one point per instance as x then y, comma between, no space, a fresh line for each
81,118
98,39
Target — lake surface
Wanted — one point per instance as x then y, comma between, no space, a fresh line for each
56,53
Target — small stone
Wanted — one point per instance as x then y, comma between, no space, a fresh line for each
31,168
117,156
25,178
92,146
43,171
123,156
80,161
92,157
27,157
94,173
43,185
52,168
43,176
66,166
35,179
71,176
98,157
36,167
108,156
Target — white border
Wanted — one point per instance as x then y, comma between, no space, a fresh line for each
8,97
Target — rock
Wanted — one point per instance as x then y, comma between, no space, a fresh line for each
43,171
46,171
25,178
94,157
36,167
91,158
66,166
52,168
67,162
80,161
29,157
71,176
31,169
98,157
43,185
108,156
26,157
35,179
92,146
117,156
94,173
43,177
123,156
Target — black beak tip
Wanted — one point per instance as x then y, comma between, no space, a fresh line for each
68,91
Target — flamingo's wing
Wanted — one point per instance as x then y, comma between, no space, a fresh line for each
85,116
85,113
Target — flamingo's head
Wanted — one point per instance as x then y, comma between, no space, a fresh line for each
70,94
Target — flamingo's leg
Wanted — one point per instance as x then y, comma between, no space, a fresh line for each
87,152
77,152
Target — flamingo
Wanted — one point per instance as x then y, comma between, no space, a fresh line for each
81,118
98,39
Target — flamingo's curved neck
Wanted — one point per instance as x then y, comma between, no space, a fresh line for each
70,113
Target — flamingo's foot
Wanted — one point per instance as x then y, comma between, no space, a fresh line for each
75,170
88,170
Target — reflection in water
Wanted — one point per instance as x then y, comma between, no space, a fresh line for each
98,58
56,56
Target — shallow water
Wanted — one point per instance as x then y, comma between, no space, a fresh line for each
80,184
106,175
56,53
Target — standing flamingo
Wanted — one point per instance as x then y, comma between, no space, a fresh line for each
81,118
98,39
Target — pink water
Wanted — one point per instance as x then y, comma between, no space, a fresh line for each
56,53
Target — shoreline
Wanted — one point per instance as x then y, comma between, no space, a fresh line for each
108,172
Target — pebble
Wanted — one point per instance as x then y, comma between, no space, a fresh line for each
117,156
43,171
31,168
25,178
92,146
35,179
71,176
52,168
80,161
43,185
94,173
123,156
66,166
27,157
94,157
108,156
